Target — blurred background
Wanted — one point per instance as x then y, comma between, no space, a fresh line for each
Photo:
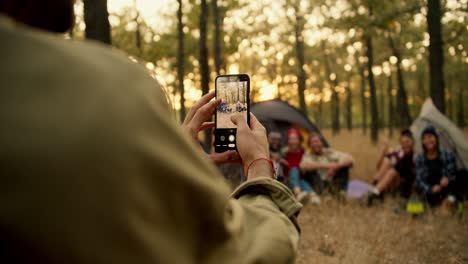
347,64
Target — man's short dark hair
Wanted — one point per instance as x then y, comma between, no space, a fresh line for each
406,133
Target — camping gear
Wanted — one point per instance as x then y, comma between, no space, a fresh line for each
276,115
450,136
415,205
357,189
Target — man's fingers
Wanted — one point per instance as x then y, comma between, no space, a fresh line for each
204,113
255,124
240,121
207,125
253,121
200,103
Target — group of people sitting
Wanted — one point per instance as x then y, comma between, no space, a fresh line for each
432,174
309,173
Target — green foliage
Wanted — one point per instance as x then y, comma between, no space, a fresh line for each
258,38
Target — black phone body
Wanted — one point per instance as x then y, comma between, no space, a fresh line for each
234,91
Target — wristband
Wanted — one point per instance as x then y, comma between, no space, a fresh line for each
269,162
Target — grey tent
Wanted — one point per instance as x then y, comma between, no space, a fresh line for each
451,137
277,115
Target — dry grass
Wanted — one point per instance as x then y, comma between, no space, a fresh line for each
335,233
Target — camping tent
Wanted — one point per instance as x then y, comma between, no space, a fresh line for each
451,137
277,115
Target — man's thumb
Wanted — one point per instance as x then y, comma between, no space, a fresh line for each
239,120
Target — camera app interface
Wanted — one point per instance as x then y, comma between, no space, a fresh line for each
233,95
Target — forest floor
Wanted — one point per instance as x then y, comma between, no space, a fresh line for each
350,233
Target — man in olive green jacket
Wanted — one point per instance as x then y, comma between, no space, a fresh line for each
96,170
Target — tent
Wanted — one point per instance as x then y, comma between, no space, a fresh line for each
277,115
451,137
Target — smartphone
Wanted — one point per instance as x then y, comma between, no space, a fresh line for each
234,92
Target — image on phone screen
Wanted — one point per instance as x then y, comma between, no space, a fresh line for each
233,97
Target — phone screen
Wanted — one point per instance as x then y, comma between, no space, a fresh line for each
233,95
233,90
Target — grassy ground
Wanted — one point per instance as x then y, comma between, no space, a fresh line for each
349,233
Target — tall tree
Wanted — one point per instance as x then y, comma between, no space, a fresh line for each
404,116
299,42
138,42
335,99
372,89
436,56
180,59
381,102
349,106
203,58
420,87
96,19
391,111
217,22
362,78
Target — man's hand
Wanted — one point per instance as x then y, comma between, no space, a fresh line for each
252,144
332,170
197,120
385,145
444,182
284,162
436,188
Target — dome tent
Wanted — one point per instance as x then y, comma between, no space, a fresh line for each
277,115
450,136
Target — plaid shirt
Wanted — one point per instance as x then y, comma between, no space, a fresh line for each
449,168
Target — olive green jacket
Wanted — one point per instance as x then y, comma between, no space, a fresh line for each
94,168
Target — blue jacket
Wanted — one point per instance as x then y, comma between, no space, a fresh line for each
449,167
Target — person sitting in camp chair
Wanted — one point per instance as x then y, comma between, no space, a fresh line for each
292,155
401,174
325,166
435,170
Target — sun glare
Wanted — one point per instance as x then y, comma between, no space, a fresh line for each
267,91
150,10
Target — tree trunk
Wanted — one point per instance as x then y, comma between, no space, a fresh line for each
97,20
318,112
363,101
137,31
217,37
336,109
349,107
402,98
421,89
301,75
381,104
319,115
180,60
335,100
436,56
204,68
391,113
372,90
